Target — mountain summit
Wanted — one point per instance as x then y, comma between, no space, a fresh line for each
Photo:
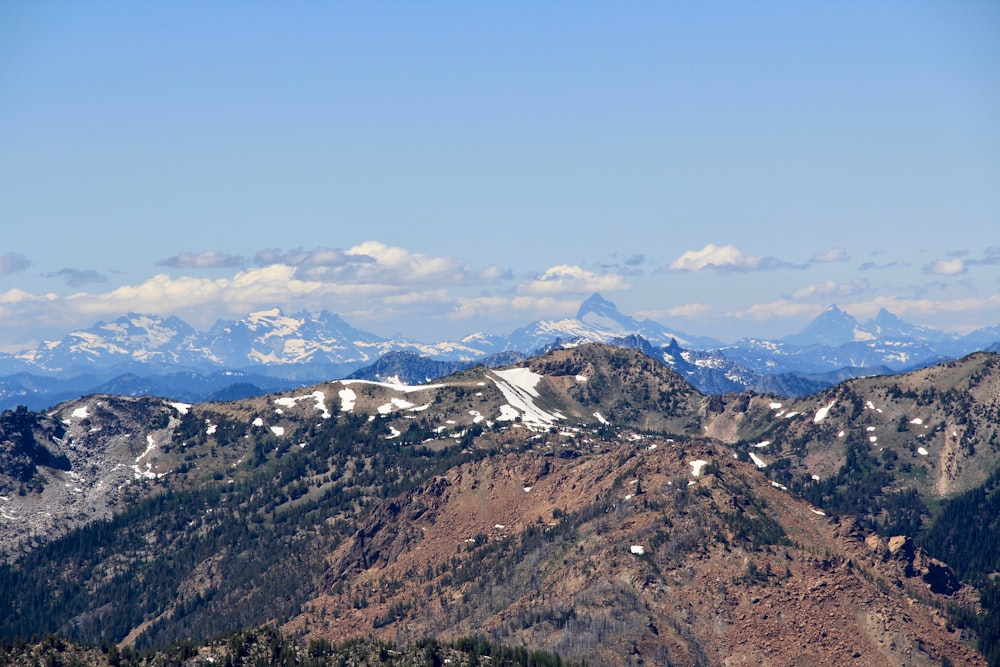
598,311
832,328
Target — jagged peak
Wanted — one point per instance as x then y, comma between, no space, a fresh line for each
596,303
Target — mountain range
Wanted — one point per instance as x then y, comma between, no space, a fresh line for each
268,351
587,502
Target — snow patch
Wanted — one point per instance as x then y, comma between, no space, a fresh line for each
759,462
581,378
917,420
921,451
394,402
347,399
775,406
763,443
599,417
182,408
405,388
518,386
258,422
637,549
823,412
80,413
317,396
278,430
148,472
508,413
696,467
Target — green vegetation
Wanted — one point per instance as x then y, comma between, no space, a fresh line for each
861,489
268,647
966,535
199,562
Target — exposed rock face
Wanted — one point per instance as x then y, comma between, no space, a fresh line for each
901,552
389,531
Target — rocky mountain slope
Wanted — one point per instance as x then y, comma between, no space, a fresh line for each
587,501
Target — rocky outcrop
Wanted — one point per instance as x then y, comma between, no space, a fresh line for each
389,531
913,562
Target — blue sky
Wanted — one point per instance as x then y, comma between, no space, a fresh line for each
438,168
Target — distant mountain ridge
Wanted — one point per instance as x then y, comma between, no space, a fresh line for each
306,347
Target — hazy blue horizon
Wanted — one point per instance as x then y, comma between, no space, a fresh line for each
437,169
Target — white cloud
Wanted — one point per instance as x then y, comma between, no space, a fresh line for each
724,259
379,283
373,262
567,279
689,310
777,309
525,306
930,310
204,299
838,254
19,296
831,288
946,267
202,260
985,310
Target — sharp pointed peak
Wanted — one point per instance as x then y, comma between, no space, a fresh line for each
596,303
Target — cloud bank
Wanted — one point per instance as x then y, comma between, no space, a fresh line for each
724,259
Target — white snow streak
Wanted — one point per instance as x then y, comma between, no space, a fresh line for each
823,412
405,388
347,399
394,403
518,387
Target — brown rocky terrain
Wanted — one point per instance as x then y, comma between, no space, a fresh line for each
587,502
562,553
